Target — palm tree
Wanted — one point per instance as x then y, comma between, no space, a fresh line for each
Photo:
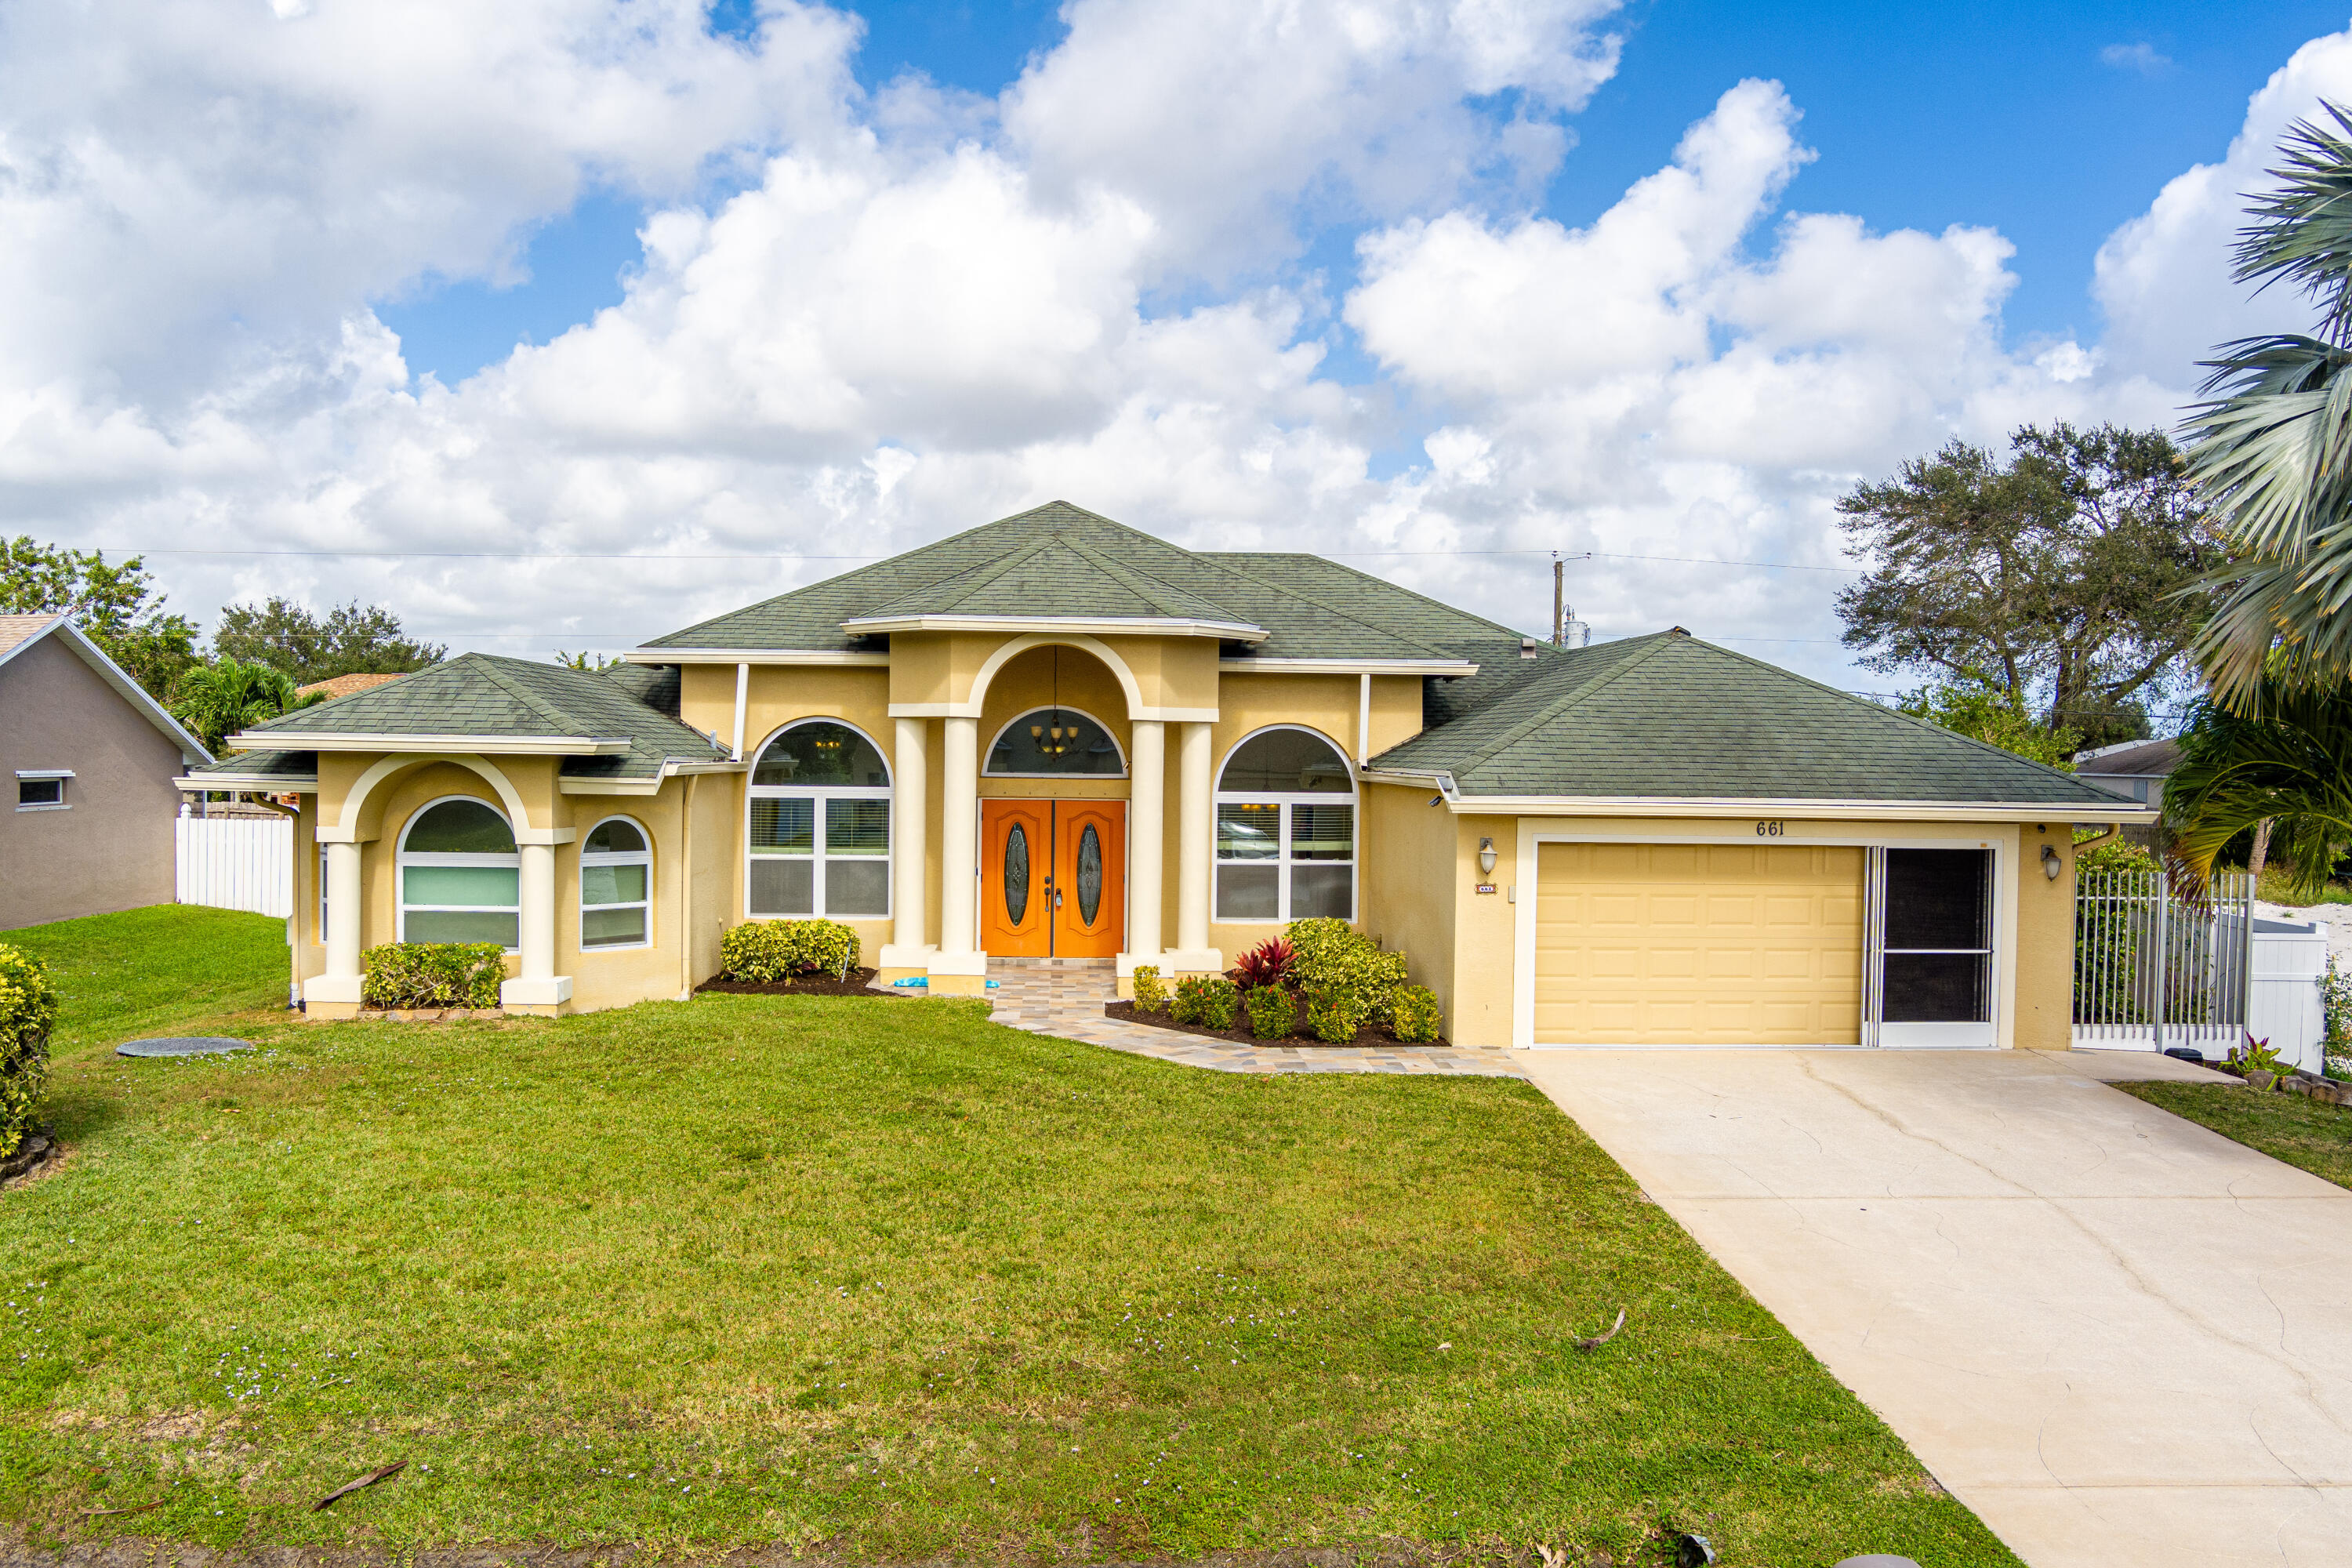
2283,755
218,699
2271,450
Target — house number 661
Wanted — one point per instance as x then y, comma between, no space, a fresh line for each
1770,829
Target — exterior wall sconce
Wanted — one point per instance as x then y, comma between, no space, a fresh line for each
2051,864
1487,857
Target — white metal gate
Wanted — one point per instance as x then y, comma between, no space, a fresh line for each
237,863
2152,971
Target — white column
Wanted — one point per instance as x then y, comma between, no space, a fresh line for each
341,983
1147,834
958,849
909,850
1196,820
538,985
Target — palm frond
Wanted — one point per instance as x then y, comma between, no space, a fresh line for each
2302,228
2291,763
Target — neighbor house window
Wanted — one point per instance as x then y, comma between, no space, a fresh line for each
1051,742
460,876
820,828
42,789
616,864
323,892
1286,829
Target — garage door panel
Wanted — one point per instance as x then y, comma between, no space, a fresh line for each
1699,944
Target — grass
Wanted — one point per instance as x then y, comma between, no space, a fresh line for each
2276,888
2308,1134
873,1277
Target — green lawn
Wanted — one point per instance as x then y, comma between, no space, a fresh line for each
2305,1134
876,1278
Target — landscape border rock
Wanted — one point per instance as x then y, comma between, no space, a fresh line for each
36,1149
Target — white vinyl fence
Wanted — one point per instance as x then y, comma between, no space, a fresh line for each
2153,973
237,863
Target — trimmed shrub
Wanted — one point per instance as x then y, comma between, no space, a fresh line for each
1328,1018
432,975
29,1007
778,950
1207,1000
1418,1016
1150,995
1333,957
1273,1015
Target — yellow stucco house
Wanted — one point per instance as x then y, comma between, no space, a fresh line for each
1055,736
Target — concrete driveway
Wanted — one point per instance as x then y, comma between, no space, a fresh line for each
2118,1337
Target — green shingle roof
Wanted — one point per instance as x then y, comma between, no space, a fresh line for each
1671,716
263,764
1055,575
1092,565
483,694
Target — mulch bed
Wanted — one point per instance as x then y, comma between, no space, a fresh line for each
1370,1035
799,986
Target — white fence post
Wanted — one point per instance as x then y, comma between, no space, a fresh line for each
237,863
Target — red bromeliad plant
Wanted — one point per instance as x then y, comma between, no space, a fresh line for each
1267,963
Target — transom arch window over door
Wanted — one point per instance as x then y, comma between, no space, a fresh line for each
820,825
616,868
1286,828
1055,742
460,874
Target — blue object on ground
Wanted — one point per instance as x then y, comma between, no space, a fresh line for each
911,979
182,1045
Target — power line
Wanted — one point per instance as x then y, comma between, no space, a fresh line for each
793,555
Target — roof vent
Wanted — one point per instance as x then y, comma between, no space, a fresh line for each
1678,631
1528,647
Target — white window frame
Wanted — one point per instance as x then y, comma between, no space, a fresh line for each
817,795
404,859
620,857
1018,719
321,930
61,777
1282,860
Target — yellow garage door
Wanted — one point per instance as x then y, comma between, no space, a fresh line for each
1697,944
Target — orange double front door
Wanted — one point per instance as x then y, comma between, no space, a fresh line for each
1053,877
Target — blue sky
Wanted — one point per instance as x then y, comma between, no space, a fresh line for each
2051,123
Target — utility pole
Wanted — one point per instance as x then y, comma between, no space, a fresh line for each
1559,601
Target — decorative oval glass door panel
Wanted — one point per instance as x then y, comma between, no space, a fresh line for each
1016,875
1089,875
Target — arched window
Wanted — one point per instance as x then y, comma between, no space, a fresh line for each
820,831
460,876
616,868
1049,743
1286,829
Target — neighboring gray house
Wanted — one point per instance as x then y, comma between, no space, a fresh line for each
2136,768
87,760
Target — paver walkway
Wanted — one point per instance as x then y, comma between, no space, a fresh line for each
1065,997
2117,1336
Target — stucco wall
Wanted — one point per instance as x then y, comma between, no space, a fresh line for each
111,848
687,916
1404,902
2046,940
